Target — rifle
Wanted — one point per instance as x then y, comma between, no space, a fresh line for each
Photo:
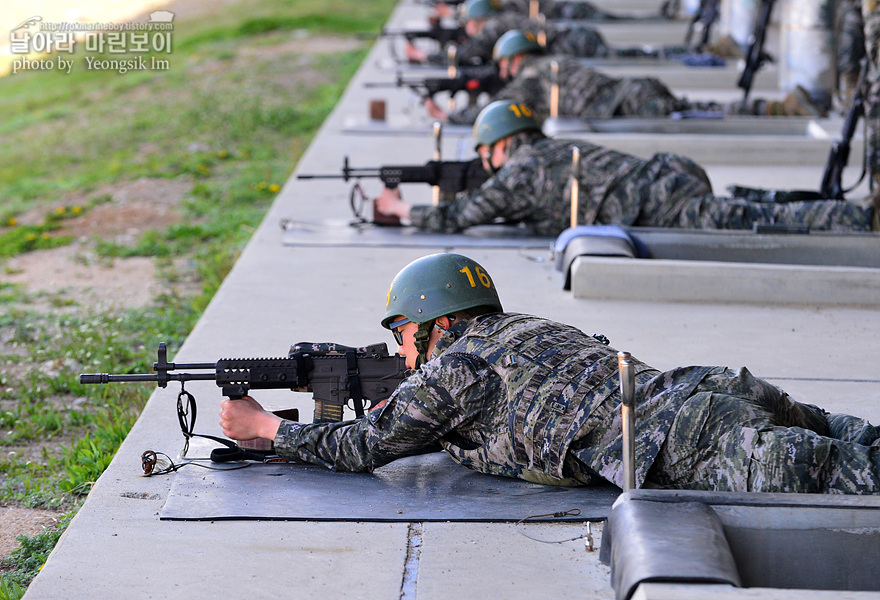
831,187
437,32
756,55
832,179
474,82
333,373
450,176
706,16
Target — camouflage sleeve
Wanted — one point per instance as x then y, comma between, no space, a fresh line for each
466,115
523,90
477,50
506,197
447,392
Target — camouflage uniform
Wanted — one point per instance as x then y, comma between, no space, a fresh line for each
850,39
581,41
871,16
667,190
524,397
739,433
586,93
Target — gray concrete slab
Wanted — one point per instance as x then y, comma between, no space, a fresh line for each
275,295
708,281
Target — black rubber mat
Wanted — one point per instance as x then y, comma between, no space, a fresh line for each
429,487
339,233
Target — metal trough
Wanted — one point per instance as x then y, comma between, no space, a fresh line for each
658,538
739,126
729,140
720,266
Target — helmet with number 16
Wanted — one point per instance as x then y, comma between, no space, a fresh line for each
501,119
438,285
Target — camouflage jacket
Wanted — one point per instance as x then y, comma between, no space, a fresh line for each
584,92
581,41
533,188
510,395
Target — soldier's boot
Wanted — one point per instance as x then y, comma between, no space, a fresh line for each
797,103
726,47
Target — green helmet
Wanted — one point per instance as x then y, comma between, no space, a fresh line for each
501,119
515,42
479,9
438,285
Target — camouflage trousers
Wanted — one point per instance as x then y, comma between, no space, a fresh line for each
872,91
726,437
583,42
850,36
717,212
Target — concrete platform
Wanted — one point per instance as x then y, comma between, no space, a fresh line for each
275,295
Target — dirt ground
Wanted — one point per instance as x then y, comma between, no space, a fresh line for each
74,271
16,521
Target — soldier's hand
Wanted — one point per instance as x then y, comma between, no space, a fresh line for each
389,202
415,55
441,11
245,419
435,111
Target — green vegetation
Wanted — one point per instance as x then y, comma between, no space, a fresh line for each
244,92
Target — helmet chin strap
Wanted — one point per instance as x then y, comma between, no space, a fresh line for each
488,155
422,340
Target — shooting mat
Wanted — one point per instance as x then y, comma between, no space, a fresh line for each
405,127
430,487
339,233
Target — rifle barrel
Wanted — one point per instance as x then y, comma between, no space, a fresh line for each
89,378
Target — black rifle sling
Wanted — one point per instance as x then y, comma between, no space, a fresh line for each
186,416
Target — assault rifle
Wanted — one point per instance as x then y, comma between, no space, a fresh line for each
832,180
831,187
333,373
437,32
756,56
450,176
706,16
474,82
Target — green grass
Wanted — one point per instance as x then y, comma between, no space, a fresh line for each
230,117
28,559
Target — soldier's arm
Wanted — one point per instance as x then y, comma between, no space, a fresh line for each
428,405
506,197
